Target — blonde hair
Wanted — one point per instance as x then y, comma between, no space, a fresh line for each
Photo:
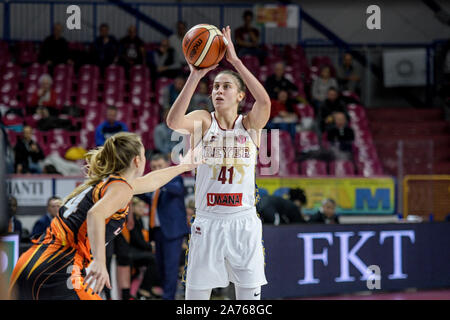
135,201
114,157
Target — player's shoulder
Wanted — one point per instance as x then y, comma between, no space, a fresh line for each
202,115
117,184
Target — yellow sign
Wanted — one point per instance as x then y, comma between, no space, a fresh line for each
352,195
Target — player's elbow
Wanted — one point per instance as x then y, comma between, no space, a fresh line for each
172,123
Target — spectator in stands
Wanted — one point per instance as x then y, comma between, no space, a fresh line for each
48,122
349,76
162,136
201,100
168,226
326,214
14,224
142,252
164,61
45,96
341,137
171,92
283,108
333,103
175,41
298,197
278,210
28,153
109,127
7,149
55,49
190,211
106,48
247,38
320,87
53,205
132,51
278,81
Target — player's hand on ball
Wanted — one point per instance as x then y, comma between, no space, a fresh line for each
201,72
231,52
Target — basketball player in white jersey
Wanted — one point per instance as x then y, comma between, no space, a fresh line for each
226,235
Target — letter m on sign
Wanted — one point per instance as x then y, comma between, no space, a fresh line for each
364,196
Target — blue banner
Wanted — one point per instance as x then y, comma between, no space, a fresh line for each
313,260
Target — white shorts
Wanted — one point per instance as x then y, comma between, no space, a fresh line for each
224,248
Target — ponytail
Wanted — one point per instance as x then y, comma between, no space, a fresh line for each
114,157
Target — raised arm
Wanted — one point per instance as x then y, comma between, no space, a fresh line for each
177,119
156,179
260,113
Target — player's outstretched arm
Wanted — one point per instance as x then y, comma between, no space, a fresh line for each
260,113
177,119
156,179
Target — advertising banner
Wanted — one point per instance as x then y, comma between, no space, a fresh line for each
312,260
63,187
277,16
353,195
9,254
30,191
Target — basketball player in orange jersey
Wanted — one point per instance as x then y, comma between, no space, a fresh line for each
67,262
226,236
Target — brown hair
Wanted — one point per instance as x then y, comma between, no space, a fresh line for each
114,157
241,84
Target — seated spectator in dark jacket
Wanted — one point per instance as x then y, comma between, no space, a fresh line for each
162,136
28,153
55,48
247,38
277,210
132,51
332,104
105,49
109,127
48,122
349,75
277,82
53,205
14,224
142,252
164,62
341,137
326,213
171,92
201,99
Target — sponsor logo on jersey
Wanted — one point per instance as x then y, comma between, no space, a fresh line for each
224,199
198,230
226,152
241,139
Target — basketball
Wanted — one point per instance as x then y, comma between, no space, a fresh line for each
204,45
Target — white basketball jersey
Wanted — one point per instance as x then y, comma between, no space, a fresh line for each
226,182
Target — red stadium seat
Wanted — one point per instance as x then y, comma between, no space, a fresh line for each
307,140
342,168
114,73
312,168
139,73
26,53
